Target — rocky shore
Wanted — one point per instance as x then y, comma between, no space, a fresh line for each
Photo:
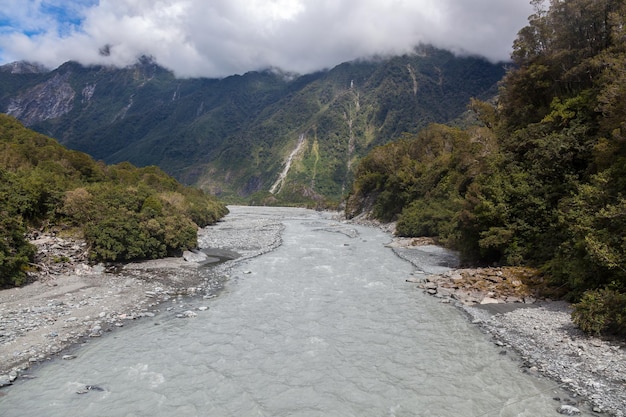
70,302
67,307
505,304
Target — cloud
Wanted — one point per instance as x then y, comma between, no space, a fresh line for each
223,37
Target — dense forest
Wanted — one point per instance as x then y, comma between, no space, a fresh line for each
123,212
542,180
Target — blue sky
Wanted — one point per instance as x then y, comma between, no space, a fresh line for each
223,37
36,17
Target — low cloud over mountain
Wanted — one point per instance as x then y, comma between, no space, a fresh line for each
223,37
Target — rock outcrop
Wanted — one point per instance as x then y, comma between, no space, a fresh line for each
484,285
48,100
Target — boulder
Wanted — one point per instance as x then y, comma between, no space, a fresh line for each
187,314
489,300
568,410
5,380
194,256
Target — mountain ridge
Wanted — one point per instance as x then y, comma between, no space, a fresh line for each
233,136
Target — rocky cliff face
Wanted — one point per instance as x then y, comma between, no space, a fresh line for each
51,99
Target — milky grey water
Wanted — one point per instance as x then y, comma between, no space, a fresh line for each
325,325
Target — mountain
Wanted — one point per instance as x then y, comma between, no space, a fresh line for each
260,136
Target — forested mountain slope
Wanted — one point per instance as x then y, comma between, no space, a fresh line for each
234,136
542,181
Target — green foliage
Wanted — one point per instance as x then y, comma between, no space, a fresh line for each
422,180
121,235
139,216
15,251
428,217
124,212
593,253
549,189
230,136
601,311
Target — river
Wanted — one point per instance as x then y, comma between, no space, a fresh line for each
325,325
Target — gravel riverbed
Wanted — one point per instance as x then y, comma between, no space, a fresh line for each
68,306
540,332
69,303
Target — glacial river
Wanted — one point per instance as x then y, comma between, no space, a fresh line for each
325,325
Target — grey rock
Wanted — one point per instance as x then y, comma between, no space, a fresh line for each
186,314
95,331
5,380
88,388
489,300
195,256
568,410
57,94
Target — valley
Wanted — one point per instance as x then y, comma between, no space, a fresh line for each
233,136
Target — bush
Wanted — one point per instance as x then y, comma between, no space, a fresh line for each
124,212
15,252
601,311
129,223
433,218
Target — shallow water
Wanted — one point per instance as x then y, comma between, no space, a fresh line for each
323,326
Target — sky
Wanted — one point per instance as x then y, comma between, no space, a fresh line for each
217,38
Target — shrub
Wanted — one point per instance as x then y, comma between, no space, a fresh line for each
426,217
601,311
146,232
124,212
15,252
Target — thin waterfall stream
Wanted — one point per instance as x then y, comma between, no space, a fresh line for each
324,325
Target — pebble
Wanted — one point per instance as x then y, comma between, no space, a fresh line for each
550,344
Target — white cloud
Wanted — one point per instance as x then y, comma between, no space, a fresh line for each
222,37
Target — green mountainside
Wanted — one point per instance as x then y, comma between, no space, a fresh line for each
234,136
542,181
123,212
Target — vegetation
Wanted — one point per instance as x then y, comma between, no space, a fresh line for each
122,211
231,136
542,181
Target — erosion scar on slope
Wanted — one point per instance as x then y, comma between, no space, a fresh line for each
281,178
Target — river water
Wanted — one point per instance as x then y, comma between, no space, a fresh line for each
325,325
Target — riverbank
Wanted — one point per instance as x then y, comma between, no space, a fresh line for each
68,302
38,322
503,303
